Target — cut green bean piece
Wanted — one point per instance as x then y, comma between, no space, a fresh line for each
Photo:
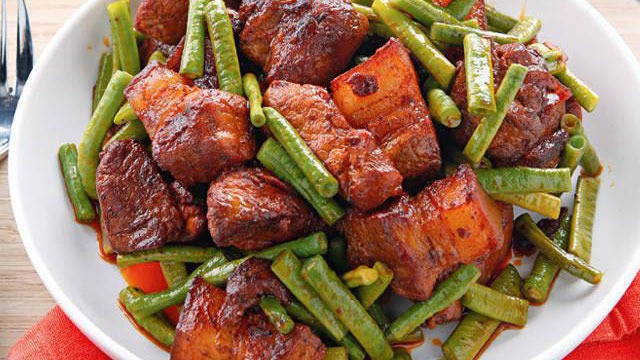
154,325
275,158
584,211
526,29
488,128
524,180
367,11
158,56
424,11
360,276
115,50
472,23
568,262
120,19
252,90
100,123
300,313
192,61
185,254
152,303
498,20
571,124
496,305
481,99
224,47
454,34
125,114
369,294
327,284
590,162
376,312
82,206
448,291
287,268
383,321
415,39
473,332
586,97
443,109
460,8
314,244
380,29
277,314
537,286
544,204
134,129
573,151
104,75
174,272
322,180
556,63
337,255
336,353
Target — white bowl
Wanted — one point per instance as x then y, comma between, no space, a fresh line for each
55,109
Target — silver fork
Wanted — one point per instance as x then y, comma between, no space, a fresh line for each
24,63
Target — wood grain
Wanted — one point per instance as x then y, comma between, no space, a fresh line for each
23,298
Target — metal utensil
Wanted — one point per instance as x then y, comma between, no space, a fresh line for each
24,63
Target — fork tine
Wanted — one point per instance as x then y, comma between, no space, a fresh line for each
24,56
3,49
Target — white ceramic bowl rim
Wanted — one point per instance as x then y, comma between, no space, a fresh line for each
115,350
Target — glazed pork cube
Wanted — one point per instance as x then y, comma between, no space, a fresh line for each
458,209
164,20
252,280
197,336
139,209
382,95
530,134
200,336
490,263
367,177
422,239
395,236
302,41
251,209
195,133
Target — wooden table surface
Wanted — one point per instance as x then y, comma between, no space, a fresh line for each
23,298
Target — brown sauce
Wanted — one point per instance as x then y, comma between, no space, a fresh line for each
409,345
502,327
553,282
517,262
436,342
110,258
140,328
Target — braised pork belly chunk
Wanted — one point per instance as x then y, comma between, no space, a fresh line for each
251,209
139,209
367,177
252,280
451,222
201,336
530,134
382,95
195,133
164,20
302,41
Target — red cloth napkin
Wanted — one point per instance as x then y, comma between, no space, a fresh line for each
617,338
